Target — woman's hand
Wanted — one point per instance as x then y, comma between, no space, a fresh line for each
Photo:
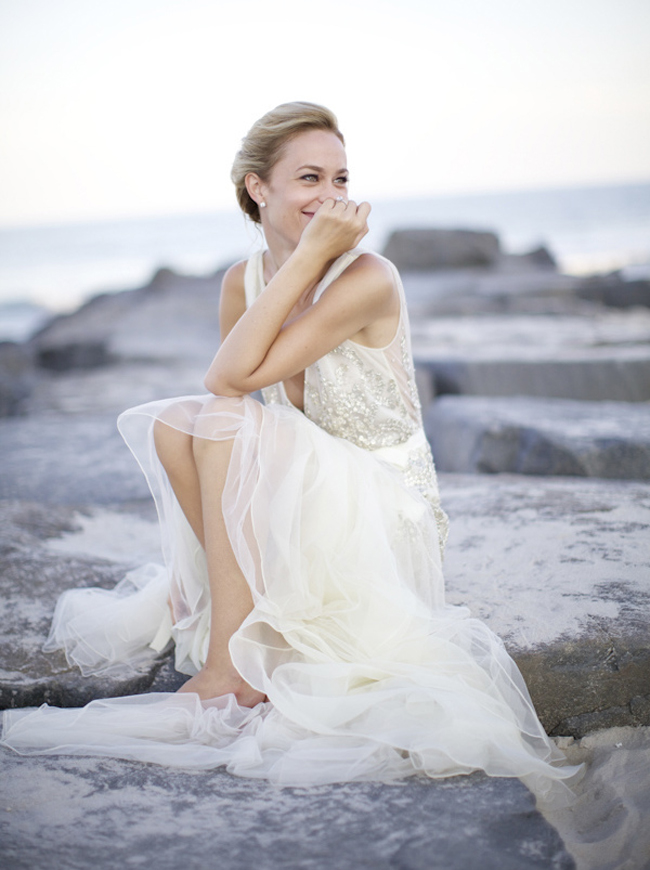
337,227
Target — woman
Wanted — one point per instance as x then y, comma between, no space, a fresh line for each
302,537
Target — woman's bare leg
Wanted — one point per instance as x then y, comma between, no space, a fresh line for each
174,449
198,477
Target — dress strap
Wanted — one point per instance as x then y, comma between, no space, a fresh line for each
254,277
254,274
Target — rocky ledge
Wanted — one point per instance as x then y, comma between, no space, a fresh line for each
535,387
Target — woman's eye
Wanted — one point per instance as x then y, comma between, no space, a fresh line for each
310,177
342,180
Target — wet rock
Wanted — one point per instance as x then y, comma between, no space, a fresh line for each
558,568
422,249
472,434
109,813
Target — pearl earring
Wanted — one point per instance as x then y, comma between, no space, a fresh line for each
262,204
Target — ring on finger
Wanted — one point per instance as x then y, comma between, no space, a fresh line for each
340,199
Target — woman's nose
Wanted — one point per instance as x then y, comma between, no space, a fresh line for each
328,191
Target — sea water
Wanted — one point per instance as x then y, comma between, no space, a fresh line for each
46,269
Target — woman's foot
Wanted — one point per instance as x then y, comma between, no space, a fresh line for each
209,683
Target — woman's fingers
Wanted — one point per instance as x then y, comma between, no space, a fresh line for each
337,226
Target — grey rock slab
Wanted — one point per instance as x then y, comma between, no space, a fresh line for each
472,434
560,569
62,460
81,812
599,357
516,284
500,336
174,317
37,564
615,291
112,389
17,378
425,249
506,288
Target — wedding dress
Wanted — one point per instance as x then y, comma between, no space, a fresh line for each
334,517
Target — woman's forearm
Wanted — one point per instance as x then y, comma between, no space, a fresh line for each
249,341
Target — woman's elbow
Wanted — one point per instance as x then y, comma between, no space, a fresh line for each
220,386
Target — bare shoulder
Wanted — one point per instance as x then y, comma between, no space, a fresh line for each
373,278
232,303
233,280
373,268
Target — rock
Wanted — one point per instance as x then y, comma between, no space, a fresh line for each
172,317
32,576
422,249
59,460
558,568
471,434
109,813
81,339
606,826
605,357
622,375
16,378
539,258
508,289
511,287
615,291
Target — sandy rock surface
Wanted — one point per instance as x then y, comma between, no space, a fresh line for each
560,569
108,813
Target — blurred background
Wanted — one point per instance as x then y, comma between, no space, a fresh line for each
120,120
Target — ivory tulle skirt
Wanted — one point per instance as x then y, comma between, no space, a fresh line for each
368,674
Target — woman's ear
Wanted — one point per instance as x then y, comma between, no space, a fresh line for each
254,187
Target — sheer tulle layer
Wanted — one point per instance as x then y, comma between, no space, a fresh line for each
368,673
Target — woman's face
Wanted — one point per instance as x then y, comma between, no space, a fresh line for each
312,169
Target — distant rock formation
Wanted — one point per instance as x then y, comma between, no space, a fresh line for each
429,249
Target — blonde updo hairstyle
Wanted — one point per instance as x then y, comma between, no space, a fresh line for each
263,145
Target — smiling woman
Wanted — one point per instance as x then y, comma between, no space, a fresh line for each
303,588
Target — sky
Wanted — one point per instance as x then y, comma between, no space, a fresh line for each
129,108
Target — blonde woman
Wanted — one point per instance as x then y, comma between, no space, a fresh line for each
303,537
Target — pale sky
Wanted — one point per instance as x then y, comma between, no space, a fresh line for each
117,108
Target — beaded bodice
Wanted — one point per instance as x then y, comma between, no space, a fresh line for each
366,395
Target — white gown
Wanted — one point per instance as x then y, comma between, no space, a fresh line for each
334,517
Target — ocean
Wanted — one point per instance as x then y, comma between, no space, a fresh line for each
53,269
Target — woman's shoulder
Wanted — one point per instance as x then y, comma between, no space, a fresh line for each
232,302
371,264
372,274
234,275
